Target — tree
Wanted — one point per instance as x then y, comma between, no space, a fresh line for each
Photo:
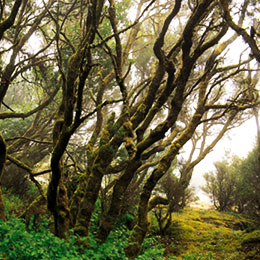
130,116
247,196
221,186
173,197
235,184
21,67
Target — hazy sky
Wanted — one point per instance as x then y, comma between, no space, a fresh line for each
238,141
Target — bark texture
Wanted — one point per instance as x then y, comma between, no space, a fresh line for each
2,163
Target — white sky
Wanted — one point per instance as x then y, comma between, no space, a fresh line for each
238,141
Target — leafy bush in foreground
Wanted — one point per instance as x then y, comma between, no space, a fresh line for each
27,243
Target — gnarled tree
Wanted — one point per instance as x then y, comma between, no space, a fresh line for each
124,116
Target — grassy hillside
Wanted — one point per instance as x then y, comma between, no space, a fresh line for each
213,235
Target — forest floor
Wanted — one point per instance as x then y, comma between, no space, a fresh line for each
208,234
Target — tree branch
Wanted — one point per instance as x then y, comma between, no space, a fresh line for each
5,25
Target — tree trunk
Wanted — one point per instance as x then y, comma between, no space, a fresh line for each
256,114
104,157
110,218
57,193
63,216
2,163
87,204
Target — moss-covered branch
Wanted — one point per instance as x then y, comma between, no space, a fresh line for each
6,24
138,234
28,169
44,104
239,30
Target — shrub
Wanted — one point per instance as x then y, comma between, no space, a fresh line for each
12,202
19,242
27,243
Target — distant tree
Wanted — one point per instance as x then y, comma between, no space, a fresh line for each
247,197
169,196
235,185
221,186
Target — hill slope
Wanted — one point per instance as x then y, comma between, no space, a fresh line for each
224,236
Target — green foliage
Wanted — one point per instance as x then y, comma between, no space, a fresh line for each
29,243
235,185
13,203
212,241
112,249
251,244
207,234
252,237
220,185
151,249
14,127
247,195
19,242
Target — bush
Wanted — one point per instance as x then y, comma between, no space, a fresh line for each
27,243
19,242
12,202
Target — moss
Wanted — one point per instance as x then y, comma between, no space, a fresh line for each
135,242
142,108
252,237
36,209
251,245
75,200
2,208
195,231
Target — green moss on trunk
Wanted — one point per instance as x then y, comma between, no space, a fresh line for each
110,218
63,216
36,209
2,208
87,204
76,199
135,241
57,193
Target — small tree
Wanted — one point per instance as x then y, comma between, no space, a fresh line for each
220,186
247,197
176,198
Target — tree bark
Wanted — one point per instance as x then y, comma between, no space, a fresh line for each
57,197
110,217
2,163
6,24
256,114
105,155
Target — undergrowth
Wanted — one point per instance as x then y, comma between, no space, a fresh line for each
193,235
22,242
30,243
